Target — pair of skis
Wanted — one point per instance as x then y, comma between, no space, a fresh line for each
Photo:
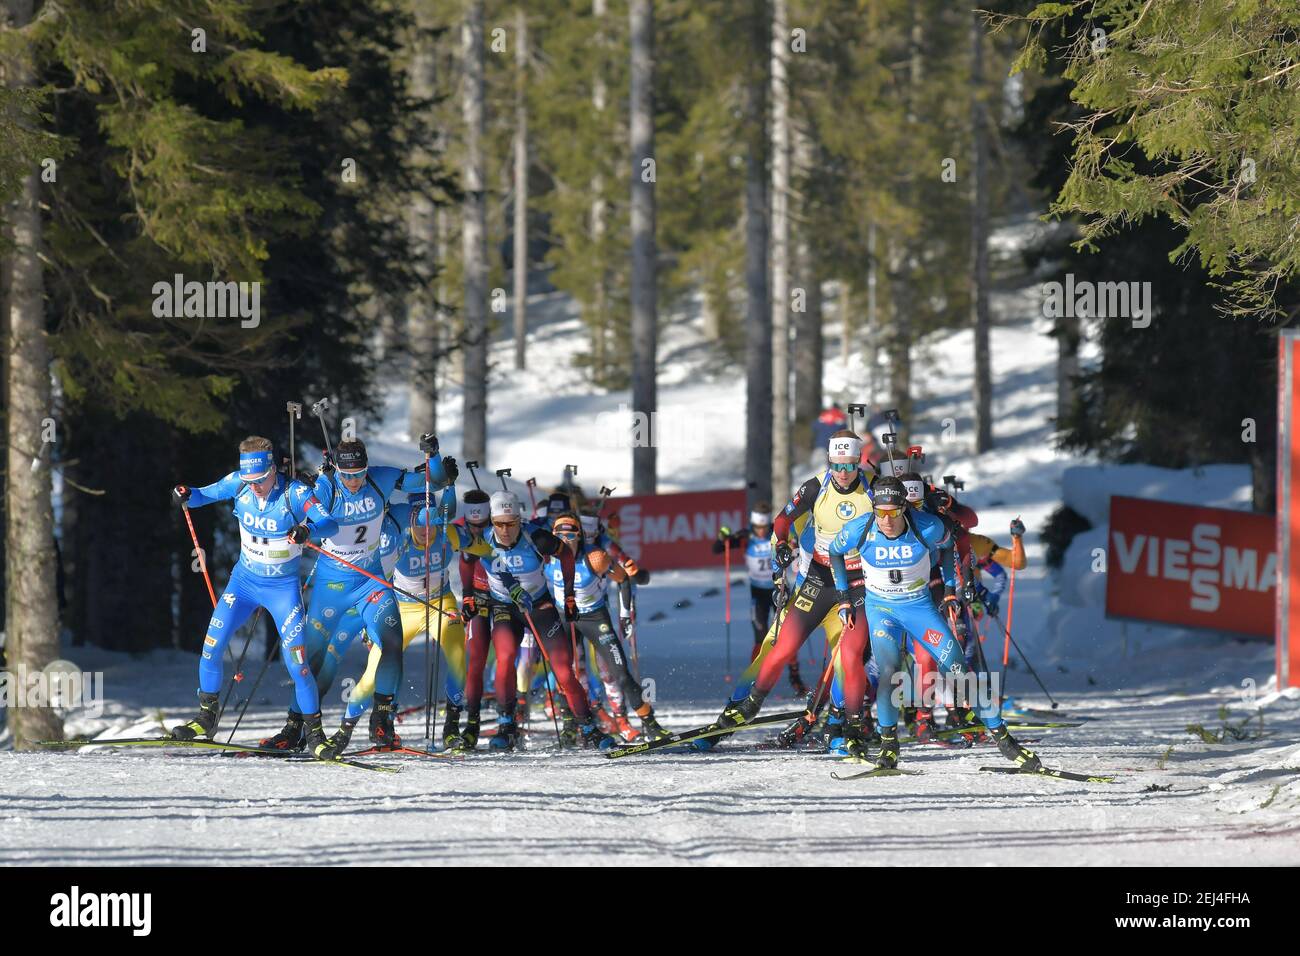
1041,772
235,749
701,733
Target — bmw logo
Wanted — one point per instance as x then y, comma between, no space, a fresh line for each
846,510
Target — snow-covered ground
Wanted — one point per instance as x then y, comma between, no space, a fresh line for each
1177,799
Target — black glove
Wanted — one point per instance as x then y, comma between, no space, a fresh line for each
327,464
570,608
1017,528
783,556
642,576
181,493
780,593
450,469
468,608
429,444
299,533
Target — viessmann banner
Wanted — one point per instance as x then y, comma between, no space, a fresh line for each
1193,566
678,530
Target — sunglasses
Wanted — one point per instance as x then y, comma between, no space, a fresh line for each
354,475
887,512
567,532
503,525
844,466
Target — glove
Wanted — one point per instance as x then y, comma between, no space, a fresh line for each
299,533
181,493
429,444
783,556
523,600
724,533
631,568
1017,528
327,464
847,615
570,608
642,576
780,593
468,608
451,470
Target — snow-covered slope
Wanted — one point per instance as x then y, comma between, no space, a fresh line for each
1178,798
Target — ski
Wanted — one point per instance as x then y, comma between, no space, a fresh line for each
1050,772
710,730
234,749
165,742
873,772
404,752
1011,725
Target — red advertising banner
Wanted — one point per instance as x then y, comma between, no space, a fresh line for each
1197,567
675,531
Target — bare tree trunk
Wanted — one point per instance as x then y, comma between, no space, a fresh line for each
1068,334
846,326
521,187
979,252
31,609
644,276
421,318
780,249
598,213
872,336
474,238
758,311
808,323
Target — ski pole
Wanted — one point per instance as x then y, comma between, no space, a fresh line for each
374,577
444,551
203,558
532,498
471,465
428,651
726,548
546,663
503,474
1028,665
631,628
1011,606
317,409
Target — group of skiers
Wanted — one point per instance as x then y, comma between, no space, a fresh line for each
874,554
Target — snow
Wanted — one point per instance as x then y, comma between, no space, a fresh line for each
1177,800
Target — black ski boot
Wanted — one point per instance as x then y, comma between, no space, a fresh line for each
506,737
318,745
451,726
887,759
204,722
569,732
290,736
468,738
855,736
382,734
1021,757
652,728
340,738
741,712
594,736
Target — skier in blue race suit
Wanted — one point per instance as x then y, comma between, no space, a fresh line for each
355,494
272,512
898,545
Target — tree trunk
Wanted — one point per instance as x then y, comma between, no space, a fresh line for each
780,250
758,312
979,252
421,317
521,188
474,239
31,609
644,278
1068,334
600,324
808,362
872,336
